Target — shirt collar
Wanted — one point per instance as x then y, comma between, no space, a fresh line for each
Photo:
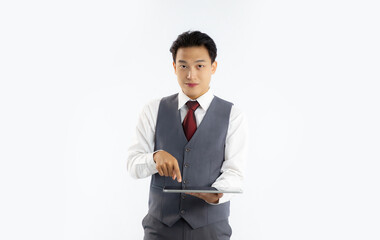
204,100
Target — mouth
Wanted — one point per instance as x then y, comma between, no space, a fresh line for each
191,84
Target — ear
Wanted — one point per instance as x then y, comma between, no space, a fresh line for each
175,69
213,67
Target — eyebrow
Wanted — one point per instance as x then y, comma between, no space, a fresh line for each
183,61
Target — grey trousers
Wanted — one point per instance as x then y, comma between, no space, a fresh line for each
181,230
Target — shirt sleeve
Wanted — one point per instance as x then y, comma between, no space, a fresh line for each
235,155
140,163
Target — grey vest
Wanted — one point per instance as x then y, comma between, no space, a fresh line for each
199,159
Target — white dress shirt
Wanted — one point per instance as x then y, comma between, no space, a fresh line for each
140,163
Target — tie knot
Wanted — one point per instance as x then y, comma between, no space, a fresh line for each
193,105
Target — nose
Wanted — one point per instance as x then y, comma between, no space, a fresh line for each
190,74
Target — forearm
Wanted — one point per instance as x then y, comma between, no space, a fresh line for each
140,164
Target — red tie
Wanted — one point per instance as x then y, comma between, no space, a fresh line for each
189,124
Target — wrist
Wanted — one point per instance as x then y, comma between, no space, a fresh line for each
154,155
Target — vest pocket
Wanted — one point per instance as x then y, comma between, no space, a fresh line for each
157,187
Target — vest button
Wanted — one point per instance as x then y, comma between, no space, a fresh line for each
183,212
187,149
186,165
183,196
184,181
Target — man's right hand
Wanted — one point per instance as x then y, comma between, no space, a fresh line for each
167,165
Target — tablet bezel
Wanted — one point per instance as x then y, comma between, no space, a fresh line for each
199,190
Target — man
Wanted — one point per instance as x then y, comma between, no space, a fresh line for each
191,138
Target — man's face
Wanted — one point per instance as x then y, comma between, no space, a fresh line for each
194,69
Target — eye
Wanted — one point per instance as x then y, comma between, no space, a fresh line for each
201,66
182,66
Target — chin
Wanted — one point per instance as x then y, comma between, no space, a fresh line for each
191,95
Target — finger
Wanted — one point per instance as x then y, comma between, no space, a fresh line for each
160,171
174,176
170,170
165,170
198,195
177,172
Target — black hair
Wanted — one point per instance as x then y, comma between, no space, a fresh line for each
192,39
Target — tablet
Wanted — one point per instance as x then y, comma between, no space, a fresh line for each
200,190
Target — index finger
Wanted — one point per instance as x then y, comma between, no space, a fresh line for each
177,172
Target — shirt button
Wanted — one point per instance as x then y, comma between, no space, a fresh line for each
183,212
187,149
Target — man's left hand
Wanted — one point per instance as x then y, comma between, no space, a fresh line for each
208,197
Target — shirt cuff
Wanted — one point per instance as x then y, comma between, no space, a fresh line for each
151,163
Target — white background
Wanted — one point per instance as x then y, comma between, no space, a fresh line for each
76,74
